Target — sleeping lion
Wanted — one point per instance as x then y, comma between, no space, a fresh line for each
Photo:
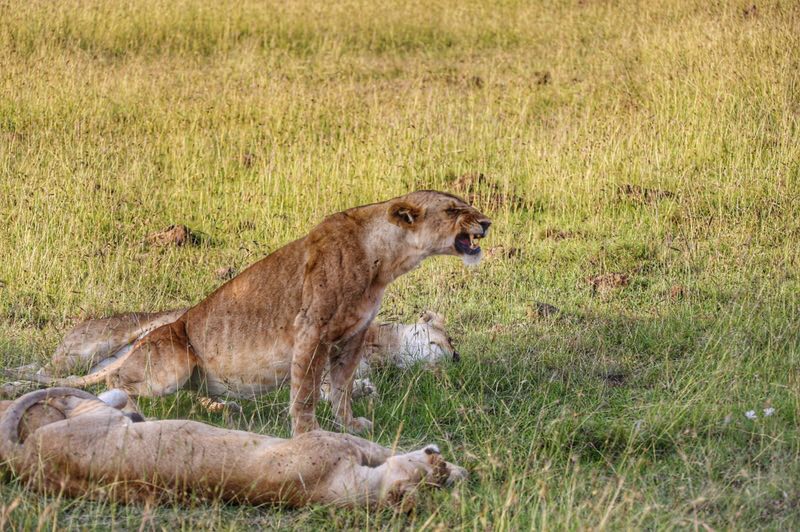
67,441
97,343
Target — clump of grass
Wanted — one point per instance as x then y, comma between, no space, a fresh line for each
660,137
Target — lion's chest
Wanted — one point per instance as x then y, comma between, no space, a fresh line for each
355,318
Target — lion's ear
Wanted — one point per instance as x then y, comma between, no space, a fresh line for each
403,214
434,318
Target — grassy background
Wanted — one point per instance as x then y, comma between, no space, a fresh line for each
249,121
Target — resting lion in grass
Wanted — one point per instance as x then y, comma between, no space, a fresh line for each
303,308
67,441
97,343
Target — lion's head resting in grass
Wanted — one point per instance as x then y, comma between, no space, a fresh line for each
304,307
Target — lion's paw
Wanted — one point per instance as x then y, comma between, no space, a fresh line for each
364,388
359,425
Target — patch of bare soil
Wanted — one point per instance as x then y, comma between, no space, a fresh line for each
174,235
780,506
615,379
606,282
677,291
543,77
643,195
486,194
543,310
750,12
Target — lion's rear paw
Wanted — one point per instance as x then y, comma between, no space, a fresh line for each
364,388
359,425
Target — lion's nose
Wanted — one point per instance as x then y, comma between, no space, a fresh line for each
485,224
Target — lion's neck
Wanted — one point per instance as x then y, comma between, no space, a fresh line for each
391,252
387,246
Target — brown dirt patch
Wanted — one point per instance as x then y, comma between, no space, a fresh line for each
543,310
174,235
615,379
677,291
608,281
543,77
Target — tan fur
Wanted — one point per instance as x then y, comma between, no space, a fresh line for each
99,342
87,448
402,345
305,307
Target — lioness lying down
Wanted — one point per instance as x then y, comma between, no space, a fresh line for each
97,343
303,308
63,440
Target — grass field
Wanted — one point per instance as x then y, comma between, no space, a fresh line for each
653,139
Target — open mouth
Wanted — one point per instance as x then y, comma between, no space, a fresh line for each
467,243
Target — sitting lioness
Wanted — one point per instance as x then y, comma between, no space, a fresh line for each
67,441
305,307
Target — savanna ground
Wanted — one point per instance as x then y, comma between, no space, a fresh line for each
653,140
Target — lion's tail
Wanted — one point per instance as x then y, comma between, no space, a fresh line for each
74,381
10,446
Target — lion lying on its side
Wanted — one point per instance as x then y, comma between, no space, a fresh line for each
97,343
64,440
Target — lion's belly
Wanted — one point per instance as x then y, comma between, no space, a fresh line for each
243,333
246,364
244,386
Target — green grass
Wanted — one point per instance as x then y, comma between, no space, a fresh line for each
249,121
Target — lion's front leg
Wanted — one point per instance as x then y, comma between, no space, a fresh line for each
344,364
308,364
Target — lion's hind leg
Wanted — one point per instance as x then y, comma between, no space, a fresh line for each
161,363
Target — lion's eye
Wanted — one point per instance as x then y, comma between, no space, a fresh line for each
452,211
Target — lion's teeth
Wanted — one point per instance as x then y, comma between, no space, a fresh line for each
472,241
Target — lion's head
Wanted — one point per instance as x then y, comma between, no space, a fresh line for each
428,341
441,224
